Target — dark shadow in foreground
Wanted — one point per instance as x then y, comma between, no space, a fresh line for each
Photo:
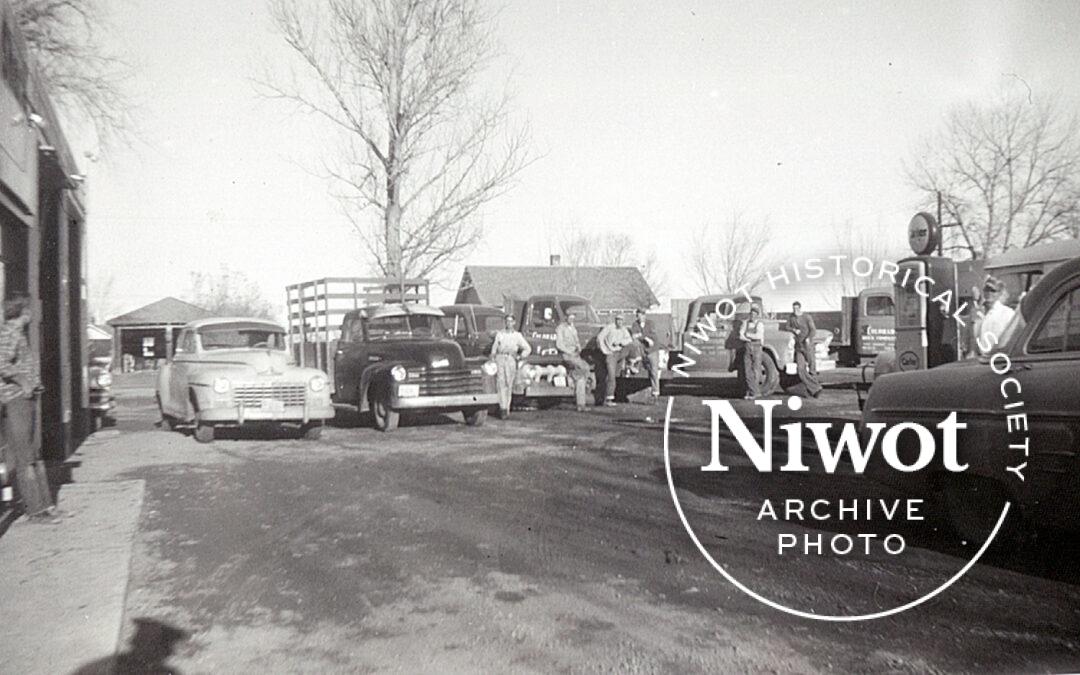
150,647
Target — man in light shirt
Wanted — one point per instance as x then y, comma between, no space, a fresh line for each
616,344
568,343
509,347
994,316
752,334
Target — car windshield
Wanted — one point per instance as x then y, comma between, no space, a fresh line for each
405,326
241,337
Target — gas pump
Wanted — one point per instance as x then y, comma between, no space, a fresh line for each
934,301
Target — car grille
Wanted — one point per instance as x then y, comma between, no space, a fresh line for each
252,395
450,382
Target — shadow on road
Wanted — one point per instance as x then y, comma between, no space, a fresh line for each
150,647
1049,555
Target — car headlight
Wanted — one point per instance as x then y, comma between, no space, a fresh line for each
221,385
490,368
104,380
317,383
399,373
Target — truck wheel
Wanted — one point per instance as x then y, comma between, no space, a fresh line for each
474,417
385,417
204,433
770,375
312,431
973,505
168,423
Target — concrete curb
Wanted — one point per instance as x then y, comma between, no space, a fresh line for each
63,603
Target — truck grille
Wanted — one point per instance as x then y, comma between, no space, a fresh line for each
252,395
450,382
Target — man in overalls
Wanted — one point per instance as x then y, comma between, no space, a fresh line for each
752,334
509,347
801,325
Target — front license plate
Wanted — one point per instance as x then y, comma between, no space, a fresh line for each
273,405
408,390
559,381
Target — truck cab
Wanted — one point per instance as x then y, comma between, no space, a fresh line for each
710,345
543,378
396,357
864,327
473,327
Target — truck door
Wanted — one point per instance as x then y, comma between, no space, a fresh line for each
350,358
874,323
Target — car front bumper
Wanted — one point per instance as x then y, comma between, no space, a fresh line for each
444,401
240,414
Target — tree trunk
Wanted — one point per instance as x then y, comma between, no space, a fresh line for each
393,230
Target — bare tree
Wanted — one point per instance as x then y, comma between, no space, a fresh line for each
731,257
577,248
100,302
1008,172
229,293
420,153
82,77
854,242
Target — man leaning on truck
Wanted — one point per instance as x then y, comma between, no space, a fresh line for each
616,343
568,343
508,348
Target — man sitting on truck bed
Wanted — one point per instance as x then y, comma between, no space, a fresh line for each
569,345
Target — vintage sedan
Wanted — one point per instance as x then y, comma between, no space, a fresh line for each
239,372
1021,405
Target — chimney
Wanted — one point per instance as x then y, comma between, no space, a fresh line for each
556,260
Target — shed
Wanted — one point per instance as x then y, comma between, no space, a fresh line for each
144,336
610,289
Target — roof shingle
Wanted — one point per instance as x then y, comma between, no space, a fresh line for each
168,310
608,288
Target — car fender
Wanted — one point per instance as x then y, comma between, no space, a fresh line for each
161,387
371,375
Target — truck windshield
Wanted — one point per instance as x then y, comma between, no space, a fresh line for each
583,311
241,337
405,326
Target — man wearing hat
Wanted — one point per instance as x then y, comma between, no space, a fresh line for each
993,316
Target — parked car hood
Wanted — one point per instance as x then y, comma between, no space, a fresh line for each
945,388
426,353
253,361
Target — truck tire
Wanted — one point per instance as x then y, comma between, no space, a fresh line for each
474,417
204,433
770,375
385,417
972,507
312,431
168,423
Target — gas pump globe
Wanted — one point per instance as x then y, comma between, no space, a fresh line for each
929,291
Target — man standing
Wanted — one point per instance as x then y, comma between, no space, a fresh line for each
752,334
802,327
20,383
509,347
569,345
993,316
644,333
616,344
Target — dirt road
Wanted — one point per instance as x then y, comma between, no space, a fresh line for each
546,542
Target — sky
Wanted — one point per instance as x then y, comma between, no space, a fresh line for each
651,119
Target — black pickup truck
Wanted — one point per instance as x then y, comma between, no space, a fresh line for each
394,358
